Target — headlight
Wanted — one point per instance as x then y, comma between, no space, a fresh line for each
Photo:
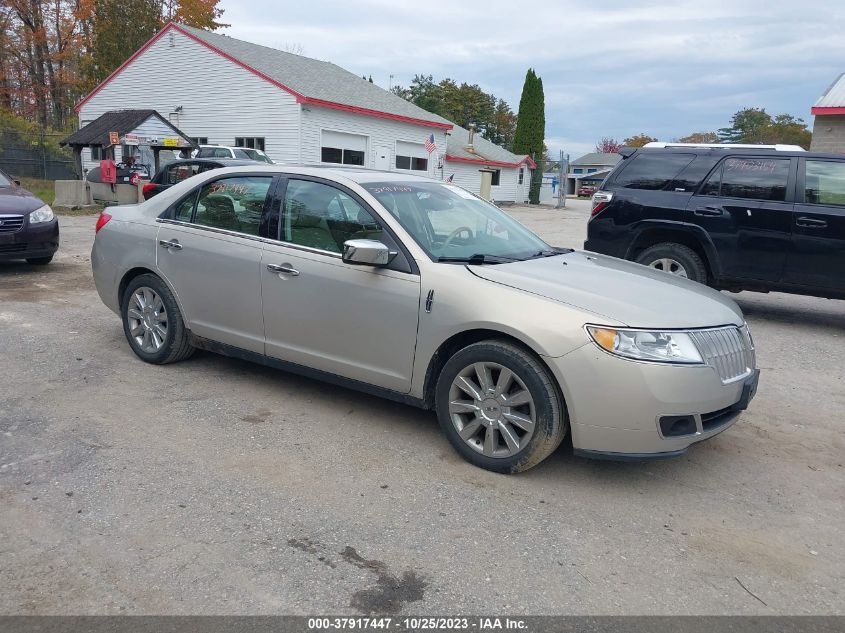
659,347
42,214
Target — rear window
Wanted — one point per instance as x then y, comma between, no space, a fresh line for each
752,178
652,171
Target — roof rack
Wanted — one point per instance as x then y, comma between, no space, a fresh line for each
779,147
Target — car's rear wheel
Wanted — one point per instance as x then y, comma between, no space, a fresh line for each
499,407
675,259
39,261
152,322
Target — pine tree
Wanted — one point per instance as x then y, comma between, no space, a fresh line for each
531,129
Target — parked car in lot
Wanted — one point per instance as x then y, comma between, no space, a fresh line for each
734,217
222,151
28,228
418,291
585,191
179,170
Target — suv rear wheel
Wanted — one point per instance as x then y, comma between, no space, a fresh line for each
499,407
675,259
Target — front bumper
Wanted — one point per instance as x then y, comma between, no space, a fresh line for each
615,406
32,240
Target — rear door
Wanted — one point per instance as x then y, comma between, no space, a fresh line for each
209,249
817,256
745,206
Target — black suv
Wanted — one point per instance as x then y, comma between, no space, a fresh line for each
734,217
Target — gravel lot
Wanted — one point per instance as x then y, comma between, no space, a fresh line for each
219,487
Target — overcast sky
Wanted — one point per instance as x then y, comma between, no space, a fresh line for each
610,68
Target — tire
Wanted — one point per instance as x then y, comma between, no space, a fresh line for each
39,261
167,344
525,449
660,256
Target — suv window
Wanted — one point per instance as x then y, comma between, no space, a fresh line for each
825,182
754,178
323,217
179,172
652,171
234,204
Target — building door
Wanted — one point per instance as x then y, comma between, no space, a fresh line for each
486,183
383,158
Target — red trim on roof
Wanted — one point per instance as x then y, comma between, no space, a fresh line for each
827,110
492,163
375,113
300,98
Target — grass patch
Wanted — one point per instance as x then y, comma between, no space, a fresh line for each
77,211
44,189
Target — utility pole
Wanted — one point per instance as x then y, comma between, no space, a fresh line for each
563,170
390,84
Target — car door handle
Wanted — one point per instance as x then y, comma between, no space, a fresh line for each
170,244
708,212
812,223
285,269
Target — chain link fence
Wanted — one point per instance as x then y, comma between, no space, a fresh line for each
35,155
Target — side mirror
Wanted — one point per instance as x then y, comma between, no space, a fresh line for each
366,253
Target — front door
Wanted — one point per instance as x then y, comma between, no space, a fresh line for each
210,253
358,322
817,257
746,209
383,158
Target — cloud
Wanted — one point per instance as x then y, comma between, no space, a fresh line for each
608,69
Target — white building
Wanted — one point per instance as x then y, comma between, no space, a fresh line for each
224,91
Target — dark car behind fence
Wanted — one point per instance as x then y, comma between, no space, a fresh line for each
35,156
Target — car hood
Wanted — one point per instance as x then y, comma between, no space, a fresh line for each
618,290
18,201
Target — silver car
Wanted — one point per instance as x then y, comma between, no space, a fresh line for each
418,291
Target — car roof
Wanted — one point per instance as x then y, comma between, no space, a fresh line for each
356,174
721,151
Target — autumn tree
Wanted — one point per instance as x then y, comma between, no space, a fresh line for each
531,129
700,137
639,140
608,145
755,125
202,14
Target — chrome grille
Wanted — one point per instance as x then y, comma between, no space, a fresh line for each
728,350
10,223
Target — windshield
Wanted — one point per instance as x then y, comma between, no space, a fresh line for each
4,182
449,222
254,154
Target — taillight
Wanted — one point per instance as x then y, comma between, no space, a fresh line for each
600,200
101,221
147,188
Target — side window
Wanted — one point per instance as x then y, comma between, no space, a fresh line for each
185,209
713,184
652,171
220,152
825,182
233,204
320,216
755,178
689,178
179,172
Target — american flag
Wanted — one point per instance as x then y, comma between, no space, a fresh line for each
450,178
429,144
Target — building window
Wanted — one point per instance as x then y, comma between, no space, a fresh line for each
342,156
591,170
252,142
200,140
495,180
412,162
96,152
578,170
521,175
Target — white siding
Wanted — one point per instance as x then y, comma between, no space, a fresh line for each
467,176
379,132
219,99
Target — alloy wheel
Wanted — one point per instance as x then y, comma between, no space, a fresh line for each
492,410
147,318
668,265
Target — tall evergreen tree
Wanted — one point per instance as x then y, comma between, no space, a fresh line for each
531,129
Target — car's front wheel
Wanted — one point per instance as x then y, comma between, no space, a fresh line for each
499,407
152,322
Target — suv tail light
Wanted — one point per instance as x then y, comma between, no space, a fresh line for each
147,188
600,200
101,221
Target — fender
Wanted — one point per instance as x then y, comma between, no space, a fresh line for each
693,230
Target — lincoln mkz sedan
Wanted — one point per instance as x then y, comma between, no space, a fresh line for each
419,291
